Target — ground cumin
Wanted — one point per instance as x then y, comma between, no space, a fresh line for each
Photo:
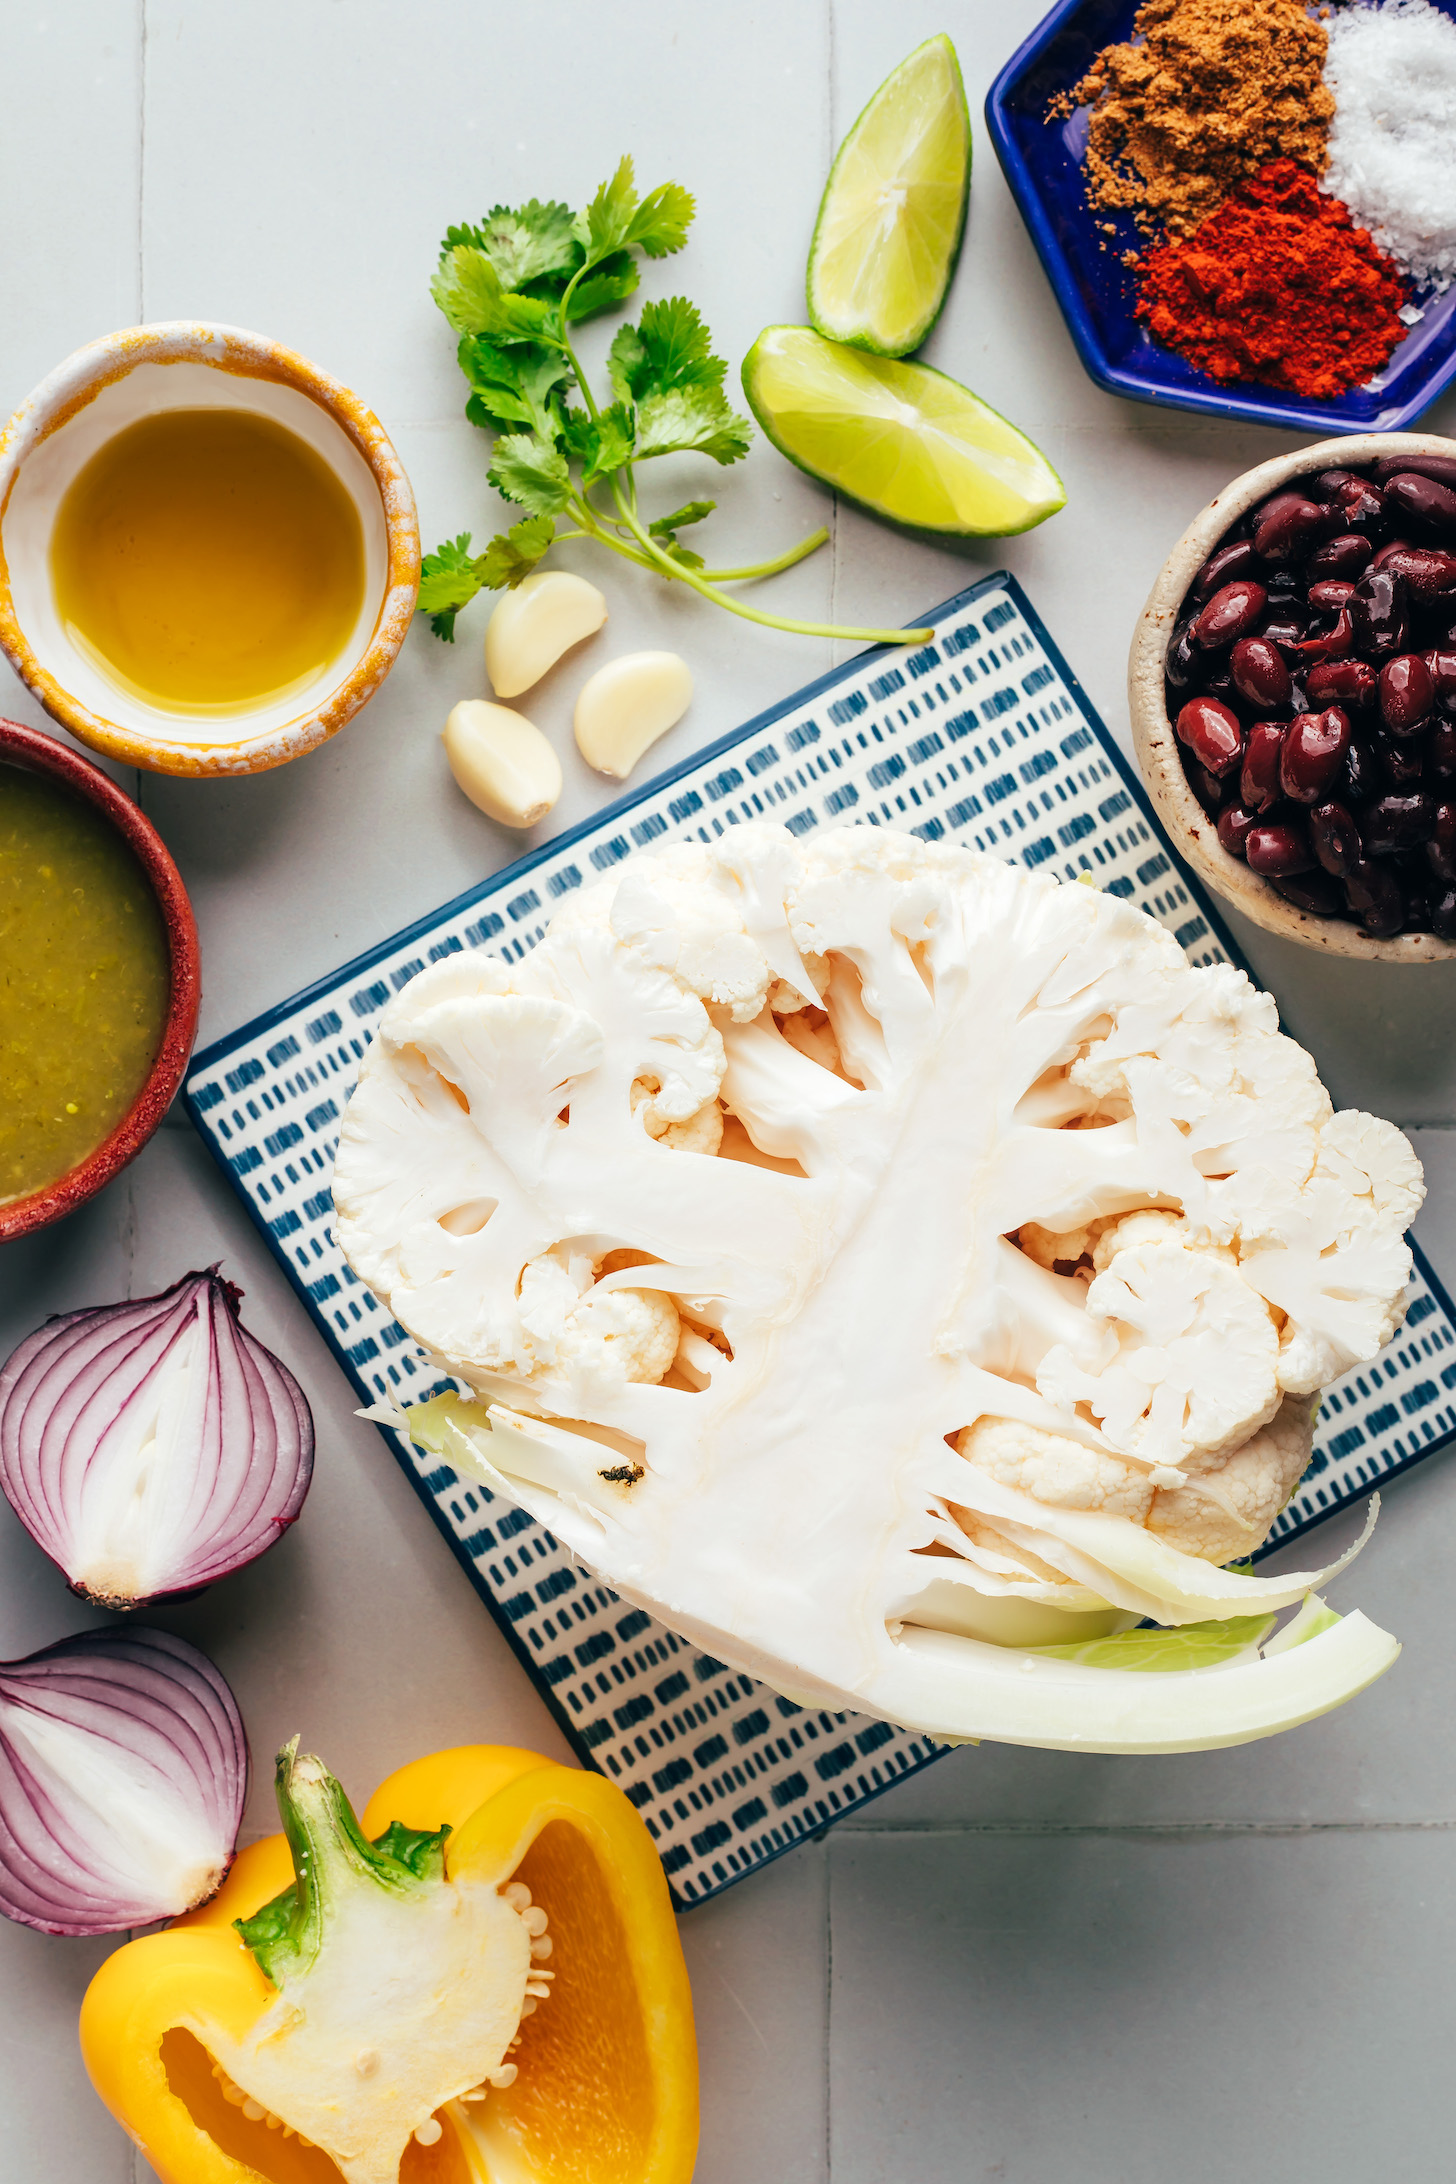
1210,93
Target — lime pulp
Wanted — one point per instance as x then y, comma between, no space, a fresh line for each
894,209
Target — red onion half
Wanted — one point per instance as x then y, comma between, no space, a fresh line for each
152,1447
123,1771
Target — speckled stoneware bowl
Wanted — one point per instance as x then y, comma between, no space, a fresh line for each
113,383
37,753
1157,747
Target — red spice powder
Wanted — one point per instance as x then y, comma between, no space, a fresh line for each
1278,286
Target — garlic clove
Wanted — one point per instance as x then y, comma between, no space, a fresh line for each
502,762
533,625
627,705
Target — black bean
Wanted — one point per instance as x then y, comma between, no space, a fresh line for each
1427,499
1407,694
1290,527
1440,467
1236,559
1441,751
1376,896
1362,773
1184,662
1206,787
1378,614
1402,765
1315,892
1335,838
1313,755
1397,822
1347,556
1441,848
1260,674
1279,850
1350,684
1233,612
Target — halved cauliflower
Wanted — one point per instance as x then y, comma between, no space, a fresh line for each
878,1260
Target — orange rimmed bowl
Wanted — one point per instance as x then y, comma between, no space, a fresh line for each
41,754
115,382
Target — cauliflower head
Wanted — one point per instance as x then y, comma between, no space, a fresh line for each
882,1262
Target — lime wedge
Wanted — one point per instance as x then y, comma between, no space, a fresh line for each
894,209
901,439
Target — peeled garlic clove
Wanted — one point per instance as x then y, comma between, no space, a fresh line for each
533,625
502,762
627,705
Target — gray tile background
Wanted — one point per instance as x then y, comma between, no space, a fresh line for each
1022,1966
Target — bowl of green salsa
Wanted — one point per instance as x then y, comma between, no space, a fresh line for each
99,980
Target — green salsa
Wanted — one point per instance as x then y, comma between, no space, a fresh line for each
84,980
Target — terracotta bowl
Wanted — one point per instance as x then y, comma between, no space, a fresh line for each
41,754
113,383
1152,732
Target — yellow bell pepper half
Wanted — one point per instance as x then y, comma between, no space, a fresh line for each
606,2083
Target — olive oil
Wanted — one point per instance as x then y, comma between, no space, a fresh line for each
208,561
84,981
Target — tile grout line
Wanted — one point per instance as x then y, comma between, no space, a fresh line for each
1149,1828
836,645
141,158
828,2011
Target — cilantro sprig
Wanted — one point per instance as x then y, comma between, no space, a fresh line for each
514,287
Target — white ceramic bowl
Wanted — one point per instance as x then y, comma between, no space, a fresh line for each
96,393
1157,749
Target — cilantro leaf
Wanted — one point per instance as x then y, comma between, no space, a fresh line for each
675,348
513,554
513,386
609,283
468,290
449,579
530,471
613,433
691,417
601,444
661,222
533,241
617,220
691,512
666,528
625,360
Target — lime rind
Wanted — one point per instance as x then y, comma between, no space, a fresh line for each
900,439
882,288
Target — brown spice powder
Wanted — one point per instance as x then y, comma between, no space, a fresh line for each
1210,92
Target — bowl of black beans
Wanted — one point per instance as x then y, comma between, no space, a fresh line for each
1293,695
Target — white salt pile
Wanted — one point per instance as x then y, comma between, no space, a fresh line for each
1392,149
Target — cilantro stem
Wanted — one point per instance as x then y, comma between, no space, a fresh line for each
668,567
805,547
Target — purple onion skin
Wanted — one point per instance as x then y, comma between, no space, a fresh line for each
159,1706
244,1456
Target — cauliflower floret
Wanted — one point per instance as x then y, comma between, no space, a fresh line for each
1229,1502
700,1132
612,1335
1054,1470
1189,1359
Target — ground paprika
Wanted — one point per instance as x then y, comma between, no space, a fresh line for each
1277,286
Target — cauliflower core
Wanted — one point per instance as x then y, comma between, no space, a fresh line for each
872,1255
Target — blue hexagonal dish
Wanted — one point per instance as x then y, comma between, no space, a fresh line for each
1042,163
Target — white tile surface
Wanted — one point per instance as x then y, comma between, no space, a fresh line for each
1006,2003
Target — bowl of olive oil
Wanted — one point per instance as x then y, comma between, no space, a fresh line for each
99,982
209,554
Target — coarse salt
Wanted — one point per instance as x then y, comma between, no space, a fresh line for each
1392,69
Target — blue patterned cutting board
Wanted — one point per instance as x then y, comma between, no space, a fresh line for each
982,735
